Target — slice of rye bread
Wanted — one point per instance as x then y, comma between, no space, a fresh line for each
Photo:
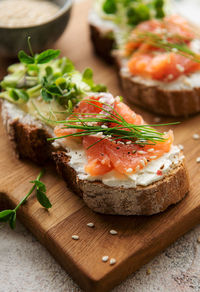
141,200
27,134
103,43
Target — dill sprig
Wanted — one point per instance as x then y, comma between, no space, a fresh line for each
111,125
180,47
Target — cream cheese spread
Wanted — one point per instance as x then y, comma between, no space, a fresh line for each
144,177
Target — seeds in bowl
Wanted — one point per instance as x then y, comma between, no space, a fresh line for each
24,13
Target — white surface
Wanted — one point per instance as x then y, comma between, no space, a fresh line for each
26,266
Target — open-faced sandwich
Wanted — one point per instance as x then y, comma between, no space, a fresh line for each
36,90
112,20
105,152
116,162
159,64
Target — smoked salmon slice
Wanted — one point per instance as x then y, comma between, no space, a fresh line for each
150,61
104,154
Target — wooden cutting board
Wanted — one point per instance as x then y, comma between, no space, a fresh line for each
139,239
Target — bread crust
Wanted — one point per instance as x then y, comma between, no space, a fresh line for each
174,103
103,43
27,135
141,200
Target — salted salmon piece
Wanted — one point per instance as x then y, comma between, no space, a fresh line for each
129,115
104,154
126,159
163,67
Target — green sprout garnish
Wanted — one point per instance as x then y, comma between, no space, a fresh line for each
134,11
46,78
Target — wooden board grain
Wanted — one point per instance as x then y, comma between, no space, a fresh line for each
139,238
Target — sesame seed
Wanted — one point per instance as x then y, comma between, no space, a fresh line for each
137,168
170,76
117,99
128,142
134,115
134,151
141,152
145,160
196,136
129,170
175,50
180,68
153,157
113,232
181,157
104,126
90,224
150,150
198,160
142,162
112,261
181,147
105,258
75,237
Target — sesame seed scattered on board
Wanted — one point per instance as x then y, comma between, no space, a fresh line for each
198,160
105,258
112,261
113,232
75,237
90,224
196,136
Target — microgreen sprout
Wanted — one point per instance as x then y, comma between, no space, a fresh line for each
10,215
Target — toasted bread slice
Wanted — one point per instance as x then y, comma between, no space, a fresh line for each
27,134
147,200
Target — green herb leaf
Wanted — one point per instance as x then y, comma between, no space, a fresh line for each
47,56
99,88
43,200
88,76
12,220
10,215
110,7
39,185
19,94
45,95
24,58
5,215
